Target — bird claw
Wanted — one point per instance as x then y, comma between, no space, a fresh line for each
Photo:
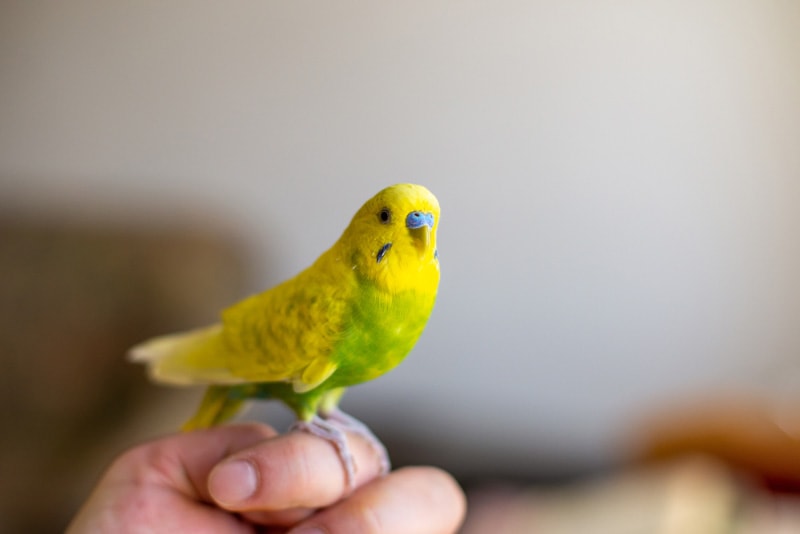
332,429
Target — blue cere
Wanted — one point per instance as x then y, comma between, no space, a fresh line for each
418,219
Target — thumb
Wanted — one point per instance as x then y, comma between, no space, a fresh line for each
182,462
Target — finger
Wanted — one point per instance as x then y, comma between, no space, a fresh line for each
293,471
414,500
279,518
182,462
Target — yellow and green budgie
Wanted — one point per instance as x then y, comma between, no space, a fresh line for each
351,316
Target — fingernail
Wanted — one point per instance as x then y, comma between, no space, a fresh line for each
233,482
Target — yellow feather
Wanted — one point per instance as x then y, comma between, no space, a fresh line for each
293,333
186,358
277,334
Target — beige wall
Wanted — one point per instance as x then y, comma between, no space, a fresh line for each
620,181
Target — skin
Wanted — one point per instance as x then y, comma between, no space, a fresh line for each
246,478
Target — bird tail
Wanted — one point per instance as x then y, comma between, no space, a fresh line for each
219,404
187,358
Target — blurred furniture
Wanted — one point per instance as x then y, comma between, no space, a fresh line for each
755,436
73,298
712,465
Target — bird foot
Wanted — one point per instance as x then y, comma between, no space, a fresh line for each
348,422
332,429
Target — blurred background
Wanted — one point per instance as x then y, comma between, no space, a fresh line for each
619,185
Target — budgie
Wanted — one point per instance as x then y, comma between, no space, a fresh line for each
350,317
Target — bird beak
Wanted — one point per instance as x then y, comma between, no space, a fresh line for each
421,226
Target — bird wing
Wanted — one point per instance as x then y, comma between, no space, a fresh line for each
289,332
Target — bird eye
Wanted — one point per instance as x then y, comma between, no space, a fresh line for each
385,216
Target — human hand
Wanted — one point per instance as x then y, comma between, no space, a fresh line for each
247,478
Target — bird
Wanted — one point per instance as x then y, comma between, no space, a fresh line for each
351,316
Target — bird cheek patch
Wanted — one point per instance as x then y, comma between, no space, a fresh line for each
382,252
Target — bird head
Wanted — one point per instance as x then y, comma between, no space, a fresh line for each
392,238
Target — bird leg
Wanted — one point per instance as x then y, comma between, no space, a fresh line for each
331,427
